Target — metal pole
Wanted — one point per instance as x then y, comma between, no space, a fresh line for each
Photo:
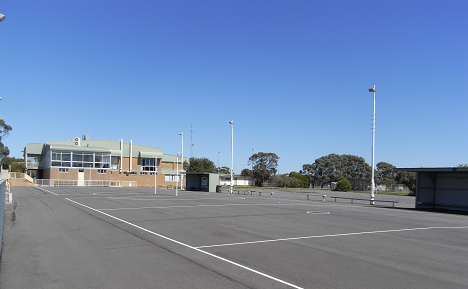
155,173
182,162
373,145
177,176
232,154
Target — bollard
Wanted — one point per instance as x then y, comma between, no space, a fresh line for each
271,194
260,193
307,197
323,198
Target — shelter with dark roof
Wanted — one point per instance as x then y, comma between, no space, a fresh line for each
441,188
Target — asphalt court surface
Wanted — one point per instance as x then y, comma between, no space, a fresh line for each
279,240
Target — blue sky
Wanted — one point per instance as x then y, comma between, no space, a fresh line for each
293,75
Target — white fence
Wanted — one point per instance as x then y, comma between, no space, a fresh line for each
86,183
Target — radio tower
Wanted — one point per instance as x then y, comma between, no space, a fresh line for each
191,142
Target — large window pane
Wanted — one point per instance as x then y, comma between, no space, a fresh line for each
77,157
66,157
88,157
56,156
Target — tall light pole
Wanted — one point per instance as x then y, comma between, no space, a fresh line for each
155,172
232,153
373,144
182,161
177,176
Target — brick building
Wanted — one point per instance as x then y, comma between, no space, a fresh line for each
88,162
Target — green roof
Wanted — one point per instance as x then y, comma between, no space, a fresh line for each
100,146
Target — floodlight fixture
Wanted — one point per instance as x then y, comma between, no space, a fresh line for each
2,17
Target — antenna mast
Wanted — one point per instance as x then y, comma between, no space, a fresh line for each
191,142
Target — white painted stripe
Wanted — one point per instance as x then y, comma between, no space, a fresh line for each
195,206
46,191
318,213
333,235
191,247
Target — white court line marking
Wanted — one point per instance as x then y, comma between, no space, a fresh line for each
191,247
318,213
195,206
46,191
333,235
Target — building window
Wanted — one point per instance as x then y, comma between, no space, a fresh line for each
148,165
143,173
115,163
172,178
102,160
152,173
80,159
102,171
63,170
133,173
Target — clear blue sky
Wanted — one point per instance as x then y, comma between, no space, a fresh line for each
293,75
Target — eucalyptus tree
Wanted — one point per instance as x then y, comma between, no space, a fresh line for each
201,165
334,167
384,174
264,166
4,131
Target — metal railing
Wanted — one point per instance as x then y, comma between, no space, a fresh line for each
86,183
3,189
20,176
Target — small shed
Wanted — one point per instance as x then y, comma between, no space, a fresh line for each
441,188
205,182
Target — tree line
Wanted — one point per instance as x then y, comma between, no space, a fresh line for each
324,171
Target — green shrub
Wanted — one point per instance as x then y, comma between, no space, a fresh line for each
302,178
343,185
290,182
